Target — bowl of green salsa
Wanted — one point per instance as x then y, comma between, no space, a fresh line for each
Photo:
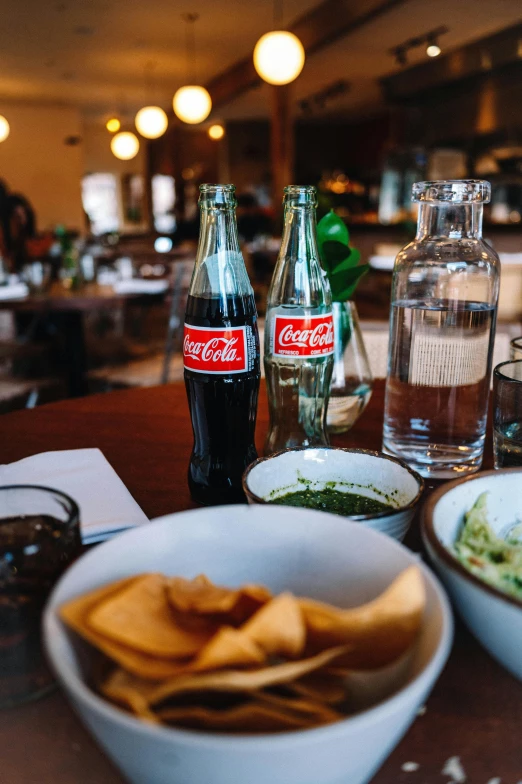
375,489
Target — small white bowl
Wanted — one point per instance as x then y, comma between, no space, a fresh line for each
493,616
372,474
309,553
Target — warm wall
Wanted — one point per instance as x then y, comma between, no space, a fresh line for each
35,161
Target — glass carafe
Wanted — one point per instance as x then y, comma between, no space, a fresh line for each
442,326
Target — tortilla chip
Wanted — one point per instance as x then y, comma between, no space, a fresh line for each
278,627
237,680
378,632
139,616
200,597
320,686
75,613
228,648
316,711
248,718
129,691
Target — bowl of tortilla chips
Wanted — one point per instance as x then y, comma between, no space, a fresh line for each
228,644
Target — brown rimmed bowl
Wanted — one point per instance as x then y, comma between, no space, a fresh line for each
493,616
360,471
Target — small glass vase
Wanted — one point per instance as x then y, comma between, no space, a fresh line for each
351,387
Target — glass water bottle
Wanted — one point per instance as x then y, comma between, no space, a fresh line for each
442,327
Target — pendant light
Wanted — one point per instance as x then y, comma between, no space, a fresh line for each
216,131
279,56
125,145
4,128
191,103
151,121
113,124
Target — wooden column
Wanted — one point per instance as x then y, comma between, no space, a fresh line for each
282,143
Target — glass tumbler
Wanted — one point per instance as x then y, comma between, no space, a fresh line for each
515,348
507,414
39,538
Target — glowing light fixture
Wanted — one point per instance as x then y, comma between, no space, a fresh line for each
191,103
151,122
433,50
216,131
113,125
125,145
279,57
4,128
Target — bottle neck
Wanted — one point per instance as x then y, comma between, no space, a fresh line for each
218,231
300,233
453,221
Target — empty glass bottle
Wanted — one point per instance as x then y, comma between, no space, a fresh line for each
442,327
299,336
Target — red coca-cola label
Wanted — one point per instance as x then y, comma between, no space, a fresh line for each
209,350
303,336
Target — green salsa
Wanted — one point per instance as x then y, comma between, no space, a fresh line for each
329,500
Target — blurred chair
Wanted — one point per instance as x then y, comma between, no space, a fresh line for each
164,366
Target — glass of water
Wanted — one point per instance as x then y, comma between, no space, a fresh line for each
516,348
507,414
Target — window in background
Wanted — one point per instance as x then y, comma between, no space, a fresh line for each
133,197
100,202
163,201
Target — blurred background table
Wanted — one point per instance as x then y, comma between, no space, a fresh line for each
67,308
473,712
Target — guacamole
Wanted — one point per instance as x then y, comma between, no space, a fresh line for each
496,561
335,501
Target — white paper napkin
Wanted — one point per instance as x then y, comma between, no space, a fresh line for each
14,291
138,286
106,506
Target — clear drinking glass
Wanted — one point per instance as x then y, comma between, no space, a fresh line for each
39,538
515,348
351,387
507,414
442,324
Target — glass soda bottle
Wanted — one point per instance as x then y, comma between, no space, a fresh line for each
299,338
220,355
442,328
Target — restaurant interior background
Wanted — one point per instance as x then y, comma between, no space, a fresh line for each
392,91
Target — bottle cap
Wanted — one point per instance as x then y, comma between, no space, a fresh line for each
452,191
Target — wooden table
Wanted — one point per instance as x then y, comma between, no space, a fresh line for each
475,709
67,309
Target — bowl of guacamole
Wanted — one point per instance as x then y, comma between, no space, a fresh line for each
369,487
472,531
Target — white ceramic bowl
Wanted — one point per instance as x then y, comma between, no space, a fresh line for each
360,471
494,617
307,552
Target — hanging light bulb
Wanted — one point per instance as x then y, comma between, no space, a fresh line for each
191,103
125,145
216,131
433,50
279,57
113,124
4,128
151,122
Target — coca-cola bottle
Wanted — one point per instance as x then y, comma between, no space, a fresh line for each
299,339
220,355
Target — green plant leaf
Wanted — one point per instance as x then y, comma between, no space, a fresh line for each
335,252
332,228
344,284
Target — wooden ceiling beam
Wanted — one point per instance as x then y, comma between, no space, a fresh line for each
319,27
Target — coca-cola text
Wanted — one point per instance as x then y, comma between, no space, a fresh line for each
303,336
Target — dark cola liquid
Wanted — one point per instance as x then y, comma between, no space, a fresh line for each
223,408
34,551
